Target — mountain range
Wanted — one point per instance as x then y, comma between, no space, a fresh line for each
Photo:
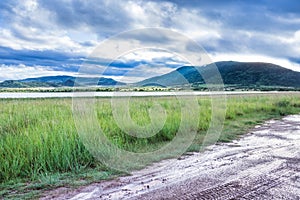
242,74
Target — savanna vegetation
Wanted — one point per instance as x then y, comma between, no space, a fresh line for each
41,149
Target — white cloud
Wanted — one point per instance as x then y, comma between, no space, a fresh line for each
293,42
146,55
16,72
153,55
149,14
166,14
34,39
33,28
142,72
256,58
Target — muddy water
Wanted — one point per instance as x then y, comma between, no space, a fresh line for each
263,164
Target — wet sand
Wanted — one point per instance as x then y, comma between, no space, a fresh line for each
263,164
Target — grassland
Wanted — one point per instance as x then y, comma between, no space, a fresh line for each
41,149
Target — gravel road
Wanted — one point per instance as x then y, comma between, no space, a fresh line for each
263,164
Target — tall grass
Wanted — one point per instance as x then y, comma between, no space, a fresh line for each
38,136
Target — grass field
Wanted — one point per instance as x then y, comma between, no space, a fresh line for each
40,147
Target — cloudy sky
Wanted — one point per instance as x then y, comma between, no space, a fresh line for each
43,37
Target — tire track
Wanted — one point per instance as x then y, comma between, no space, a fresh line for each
264,164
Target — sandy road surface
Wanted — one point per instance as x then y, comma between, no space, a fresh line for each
264,164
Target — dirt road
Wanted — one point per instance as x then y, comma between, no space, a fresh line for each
263,164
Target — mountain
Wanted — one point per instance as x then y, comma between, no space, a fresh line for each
233,73
59,81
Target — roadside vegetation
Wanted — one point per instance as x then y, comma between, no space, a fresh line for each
40,147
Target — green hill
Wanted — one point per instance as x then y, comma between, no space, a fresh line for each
59,81
241,74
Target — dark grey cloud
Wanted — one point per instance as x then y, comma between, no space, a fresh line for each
278,6
103,17
6,11
56,60
147,36
59,61
260,15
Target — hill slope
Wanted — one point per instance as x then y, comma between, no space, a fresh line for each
59,81
232,73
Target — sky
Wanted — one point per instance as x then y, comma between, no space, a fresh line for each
43,37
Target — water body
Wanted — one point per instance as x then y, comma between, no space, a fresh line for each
21,95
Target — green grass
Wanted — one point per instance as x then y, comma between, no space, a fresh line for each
40,147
